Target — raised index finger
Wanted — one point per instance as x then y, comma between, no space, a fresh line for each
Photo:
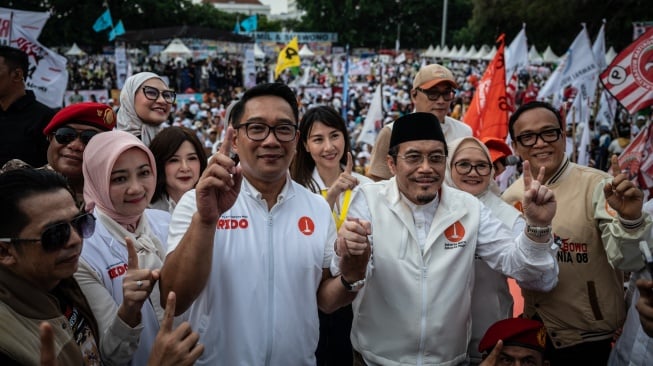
132,256
169,313
616,169
350,164
225,148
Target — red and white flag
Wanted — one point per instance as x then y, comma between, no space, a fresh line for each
488,111
629,78
637,159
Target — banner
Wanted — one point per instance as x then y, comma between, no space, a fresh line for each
249,69
373,120
488,111
103,22
32,23
360,67
47,75
629,78
288,57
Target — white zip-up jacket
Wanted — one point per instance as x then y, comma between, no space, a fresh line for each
415,306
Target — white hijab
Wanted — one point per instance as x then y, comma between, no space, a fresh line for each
127,118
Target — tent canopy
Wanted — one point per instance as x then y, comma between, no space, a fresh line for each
258,52
176,48
75,51
305,51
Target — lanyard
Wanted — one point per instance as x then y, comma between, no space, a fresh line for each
345,207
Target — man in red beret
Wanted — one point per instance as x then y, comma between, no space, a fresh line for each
515,339
68,133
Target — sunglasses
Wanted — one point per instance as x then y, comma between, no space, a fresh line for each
433,95
66,135
152,93
56,236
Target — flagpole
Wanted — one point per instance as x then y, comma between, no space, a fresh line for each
11,25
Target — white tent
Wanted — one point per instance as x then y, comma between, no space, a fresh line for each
258,52
534,57
176,48
470,53
305,51
610,55
461,53
482,51
490,55
549,56
75,51
428,52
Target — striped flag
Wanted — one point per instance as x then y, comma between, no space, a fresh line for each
629,78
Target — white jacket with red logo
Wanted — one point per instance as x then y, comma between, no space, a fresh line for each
415,307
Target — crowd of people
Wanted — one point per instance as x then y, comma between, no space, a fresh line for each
250,228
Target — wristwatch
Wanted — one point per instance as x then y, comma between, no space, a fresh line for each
538,231
352,287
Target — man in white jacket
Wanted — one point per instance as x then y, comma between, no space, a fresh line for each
414,307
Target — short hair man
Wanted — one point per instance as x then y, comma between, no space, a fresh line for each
433,91
68,133
426,235
598,225
41,232
249,249
521,339
21,115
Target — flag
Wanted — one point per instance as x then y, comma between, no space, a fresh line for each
373,120
401,58
607,110
32,22
577,63
488,111
584,146
116,31
237,28
598,48
637,159
249,24
103,22
629,78
46,75
516,54
288,57
345,86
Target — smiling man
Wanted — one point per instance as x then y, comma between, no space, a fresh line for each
433,90
599,219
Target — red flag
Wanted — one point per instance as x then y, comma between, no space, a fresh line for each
488,112
637,159
629,78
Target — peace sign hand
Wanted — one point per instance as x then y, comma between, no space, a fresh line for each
219,186
622,194
137,284
539,201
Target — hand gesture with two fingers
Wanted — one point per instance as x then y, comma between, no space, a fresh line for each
622,194
539,202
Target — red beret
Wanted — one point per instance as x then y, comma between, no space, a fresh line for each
93,114
515,332
498,148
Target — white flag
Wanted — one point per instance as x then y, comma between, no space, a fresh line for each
577,63
598,48
583,147
31,21
517,54
47,75
373,119
607,110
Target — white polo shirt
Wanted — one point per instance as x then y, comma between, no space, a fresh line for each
260,305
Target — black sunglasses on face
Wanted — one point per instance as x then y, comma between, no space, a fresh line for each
66,135
153,93
56,236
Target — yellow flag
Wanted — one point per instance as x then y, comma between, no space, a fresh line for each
288,57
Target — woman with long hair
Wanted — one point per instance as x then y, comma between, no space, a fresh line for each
324,164
117,278
180,160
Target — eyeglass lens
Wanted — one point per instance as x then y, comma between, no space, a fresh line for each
66,135
152,93
57,235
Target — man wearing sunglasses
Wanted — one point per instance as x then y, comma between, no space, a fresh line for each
22,117
433,91
598,226
69,132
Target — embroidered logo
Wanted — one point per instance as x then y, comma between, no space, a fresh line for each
306,225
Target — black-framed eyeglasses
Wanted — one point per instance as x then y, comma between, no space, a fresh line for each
257,131
153,93
530,138
66,135
417,158
465,167
433,94
56,236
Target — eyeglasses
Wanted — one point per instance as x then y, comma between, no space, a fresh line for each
153,93
530,139
66,135
416,158
56,236
260,131
435,94
465,167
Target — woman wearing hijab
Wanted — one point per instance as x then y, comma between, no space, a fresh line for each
145,103
324,165
469,168
119,181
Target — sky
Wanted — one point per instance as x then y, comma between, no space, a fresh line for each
276,6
